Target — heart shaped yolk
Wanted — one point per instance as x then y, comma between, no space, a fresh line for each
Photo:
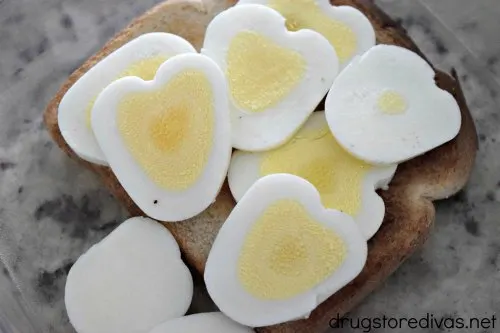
305,14
260,72
316,156
287,252
145,69
169,131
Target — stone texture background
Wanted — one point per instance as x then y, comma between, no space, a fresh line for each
51,210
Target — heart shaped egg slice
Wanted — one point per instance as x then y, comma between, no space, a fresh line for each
213,322
385,107
275,77
132,281
344,182
347,29
168,140
141,57
280,253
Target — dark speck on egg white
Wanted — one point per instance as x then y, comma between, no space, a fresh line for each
482,137
472,226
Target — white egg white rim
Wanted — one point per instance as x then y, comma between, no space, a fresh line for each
259,131
221,272
174,254
171,206
352,17
71,113
207,322
357,80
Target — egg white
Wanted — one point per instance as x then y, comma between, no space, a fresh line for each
72,109
131,281
348,15
432,116
220,276
212,322
244,171
273,126
153,200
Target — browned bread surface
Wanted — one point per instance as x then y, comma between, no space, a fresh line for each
409,209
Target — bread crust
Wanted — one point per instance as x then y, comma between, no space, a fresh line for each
409,208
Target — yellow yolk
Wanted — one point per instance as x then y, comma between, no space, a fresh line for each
260,72
391,102
287,252
169,131
306,14
315,155
145,69
88,113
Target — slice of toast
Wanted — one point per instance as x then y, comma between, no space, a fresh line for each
409,209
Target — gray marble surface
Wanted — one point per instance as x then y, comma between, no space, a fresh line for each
51,209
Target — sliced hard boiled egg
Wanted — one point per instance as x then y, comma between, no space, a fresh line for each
168,140
385,107
213,322
347,29
132,281
141,57
280,253
275,77
344,182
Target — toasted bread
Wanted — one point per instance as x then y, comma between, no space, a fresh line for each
409,209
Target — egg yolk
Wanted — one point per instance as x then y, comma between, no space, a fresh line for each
145,69
260,72
392,103
288,252
306,14
169,131
315,155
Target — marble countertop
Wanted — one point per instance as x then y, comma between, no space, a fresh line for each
51,209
